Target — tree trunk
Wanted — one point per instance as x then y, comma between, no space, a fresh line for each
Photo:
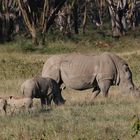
118,19
75,15
45,14
100,10
85,18
51,18
30,24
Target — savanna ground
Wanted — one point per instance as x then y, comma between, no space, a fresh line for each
80,118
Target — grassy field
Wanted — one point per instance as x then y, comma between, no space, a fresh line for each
80,118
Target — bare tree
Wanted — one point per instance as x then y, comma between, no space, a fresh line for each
75,16
131,15
39,19
85,16
118,11
35,17
9,14
68,18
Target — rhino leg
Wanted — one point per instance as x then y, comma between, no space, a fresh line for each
49,99
57,98
43,102
30,104
96,92
61,99
104,86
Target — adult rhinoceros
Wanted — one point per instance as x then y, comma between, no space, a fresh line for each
84,71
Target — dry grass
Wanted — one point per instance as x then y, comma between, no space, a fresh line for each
80,118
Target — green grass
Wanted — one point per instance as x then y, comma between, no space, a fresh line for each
98,40
80,118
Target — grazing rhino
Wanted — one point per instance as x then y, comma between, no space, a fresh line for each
84,71
43,88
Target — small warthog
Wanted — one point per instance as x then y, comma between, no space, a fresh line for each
18,103
46,89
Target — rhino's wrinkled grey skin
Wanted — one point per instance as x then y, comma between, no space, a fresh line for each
43,88
80,71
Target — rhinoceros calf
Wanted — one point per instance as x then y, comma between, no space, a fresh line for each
18,103
84,71
43,88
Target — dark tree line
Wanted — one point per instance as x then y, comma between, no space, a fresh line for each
36,17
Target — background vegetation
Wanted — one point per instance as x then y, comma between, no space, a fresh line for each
38,19
22,56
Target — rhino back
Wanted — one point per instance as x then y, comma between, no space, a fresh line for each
80,71
51,67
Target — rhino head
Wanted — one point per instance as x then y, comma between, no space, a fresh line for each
125,79
124,74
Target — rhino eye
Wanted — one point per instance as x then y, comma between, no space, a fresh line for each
127,69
